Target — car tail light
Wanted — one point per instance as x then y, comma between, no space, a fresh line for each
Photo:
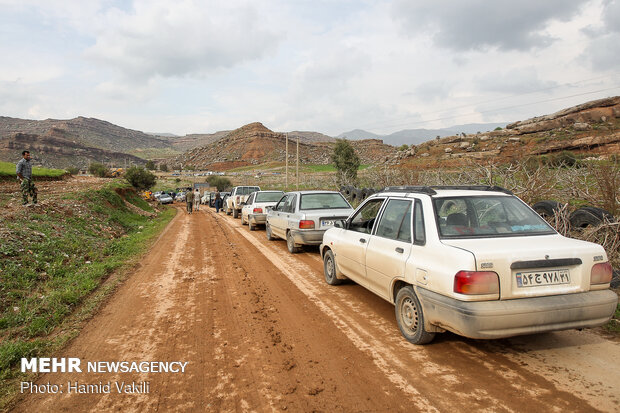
601,273
306,224
476,282
257,211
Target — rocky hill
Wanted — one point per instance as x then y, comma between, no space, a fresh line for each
76,142
255,144
589,129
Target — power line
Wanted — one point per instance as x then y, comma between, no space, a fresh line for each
500,109
390,124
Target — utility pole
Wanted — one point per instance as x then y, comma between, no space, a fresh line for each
297,172
286,164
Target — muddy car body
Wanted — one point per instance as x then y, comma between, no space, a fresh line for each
302,217
476,261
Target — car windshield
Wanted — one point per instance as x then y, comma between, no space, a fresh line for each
247,190
323,201
487,216
268,196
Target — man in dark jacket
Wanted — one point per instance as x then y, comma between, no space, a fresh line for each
189,199
24,174
218,202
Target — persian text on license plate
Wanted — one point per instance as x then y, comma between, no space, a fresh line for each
327,223
536,278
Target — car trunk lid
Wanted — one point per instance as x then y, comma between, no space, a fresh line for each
534,265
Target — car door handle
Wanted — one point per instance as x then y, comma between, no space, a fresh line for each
362,240
399,250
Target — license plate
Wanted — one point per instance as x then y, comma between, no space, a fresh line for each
327,223
537,278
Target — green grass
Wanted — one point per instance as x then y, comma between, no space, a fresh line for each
53,263
8,169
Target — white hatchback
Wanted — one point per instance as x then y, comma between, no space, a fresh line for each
475,260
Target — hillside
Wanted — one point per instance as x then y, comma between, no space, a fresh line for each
76,142
590,129
255,144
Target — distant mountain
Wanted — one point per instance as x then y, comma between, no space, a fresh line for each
163,135
417,136
357,134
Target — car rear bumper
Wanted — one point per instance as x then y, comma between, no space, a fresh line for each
308,237
496,319
257,218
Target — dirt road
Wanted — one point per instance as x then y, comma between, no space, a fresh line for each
261,331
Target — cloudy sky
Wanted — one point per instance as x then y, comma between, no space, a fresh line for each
199,66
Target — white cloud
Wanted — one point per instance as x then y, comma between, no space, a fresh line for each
480,24
162,38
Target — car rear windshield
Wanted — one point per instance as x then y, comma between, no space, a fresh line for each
487,216
323,201
268,196
247,190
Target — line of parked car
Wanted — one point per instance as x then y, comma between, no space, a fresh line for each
474,260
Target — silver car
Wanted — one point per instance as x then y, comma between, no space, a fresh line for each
254,210
301,217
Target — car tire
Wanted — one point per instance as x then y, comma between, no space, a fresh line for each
235,213
290,244
251,226
228,211
587,216
329,268
268,233
410,317
547,209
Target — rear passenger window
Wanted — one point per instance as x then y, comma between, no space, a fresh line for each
418,224
289,206
395,222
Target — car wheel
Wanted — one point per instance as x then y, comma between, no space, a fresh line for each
329,268
410,317
235,213
290,243
251,226
270,236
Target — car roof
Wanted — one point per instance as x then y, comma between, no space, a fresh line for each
444,191
313,192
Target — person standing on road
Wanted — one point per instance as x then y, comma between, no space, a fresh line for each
24,174
218,202
196,200
189,199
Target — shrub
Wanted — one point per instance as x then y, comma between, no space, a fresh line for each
140,178
98,169
73,170
163,167
150,165
220,182
346,161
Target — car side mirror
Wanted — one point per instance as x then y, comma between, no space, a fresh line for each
341,223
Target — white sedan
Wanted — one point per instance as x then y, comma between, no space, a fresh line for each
254,210
476,261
